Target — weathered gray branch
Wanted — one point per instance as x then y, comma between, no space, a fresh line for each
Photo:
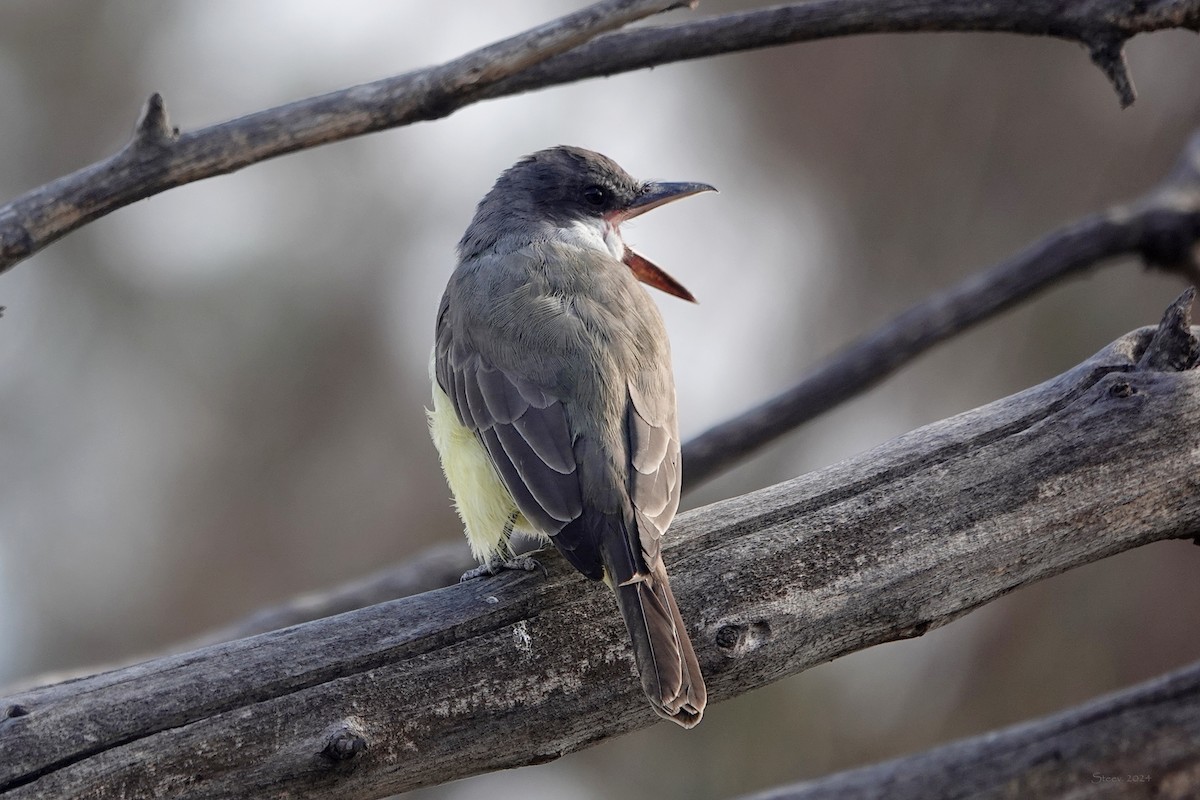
1103,26
1162,227
159,158
521,669
1142,742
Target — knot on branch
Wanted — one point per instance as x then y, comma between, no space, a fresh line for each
1121,390
1173,347
916,630
14,711
344,743
738,639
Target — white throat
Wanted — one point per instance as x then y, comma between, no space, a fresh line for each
595,234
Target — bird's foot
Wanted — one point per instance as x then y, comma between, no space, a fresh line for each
495,565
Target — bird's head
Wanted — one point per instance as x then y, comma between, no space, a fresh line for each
583,197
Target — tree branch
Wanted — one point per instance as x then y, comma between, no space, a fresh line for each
1142,742
159,158
1163,227
1103,26
495,673
433,568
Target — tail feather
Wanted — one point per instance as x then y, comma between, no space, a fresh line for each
662,650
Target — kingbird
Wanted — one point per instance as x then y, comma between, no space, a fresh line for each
553,398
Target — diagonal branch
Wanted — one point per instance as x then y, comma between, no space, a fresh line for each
159,158
1141,742
522,669
1162,227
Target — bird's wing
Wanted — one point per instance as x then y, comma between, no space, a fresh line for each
524,427
556,440
655,477
524,430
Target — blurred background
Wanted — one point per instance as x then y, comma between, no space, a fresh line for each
212,400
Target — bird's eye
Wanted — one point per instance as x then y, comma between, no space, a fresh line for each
595,195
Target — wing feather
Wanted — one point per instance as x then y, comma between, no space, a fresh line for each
654,455
530,446
550,437
504,402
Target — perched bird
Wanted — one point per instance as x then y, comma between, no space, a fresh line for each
553,398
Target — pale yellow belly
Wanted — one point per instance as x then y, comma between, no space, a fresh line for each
481,499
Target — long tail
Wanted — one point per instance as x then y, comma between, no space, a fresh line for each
665,659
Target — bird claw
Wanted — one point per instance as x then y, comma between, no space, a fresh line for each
495,566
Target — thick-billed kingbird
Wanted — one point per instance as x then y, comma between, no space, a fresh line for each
553,398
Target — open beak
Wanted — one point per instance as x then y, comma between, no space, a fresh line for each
652,196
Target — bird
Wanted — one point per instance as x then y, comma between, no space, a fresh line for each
554,407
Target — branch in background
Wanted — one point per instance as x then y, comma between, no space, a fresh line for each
1102,26
434,568
495,673
1141,742
159,158
1162,227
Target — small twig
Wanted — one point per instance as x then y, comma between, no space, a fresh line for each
154,126
546,56
1174,347
1108,53
1162,227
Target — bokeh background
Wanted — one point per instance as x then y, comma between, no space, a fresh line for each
212,401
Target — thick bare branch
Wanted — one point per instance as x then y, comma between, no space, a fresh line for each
1142,742
523,668
545,56
1163,227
